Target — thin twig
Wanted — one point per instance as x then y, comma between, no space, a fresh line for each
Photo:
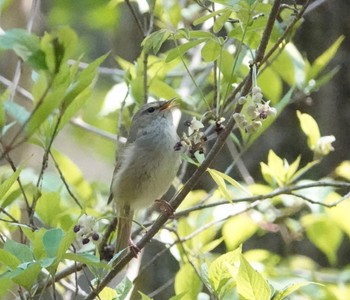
76,200
136,18
280,191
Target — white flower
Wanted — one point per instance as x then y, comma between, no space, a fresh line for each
324,145
195,126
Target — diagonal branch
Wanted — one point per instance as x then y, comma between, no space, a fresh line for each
191,182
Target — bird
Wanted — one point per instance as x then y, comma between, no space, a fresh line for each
146,167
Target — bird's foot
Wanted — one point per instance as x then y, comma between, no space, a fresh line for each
165,207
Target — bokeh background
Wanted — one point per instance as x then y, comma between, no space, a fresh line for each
103,28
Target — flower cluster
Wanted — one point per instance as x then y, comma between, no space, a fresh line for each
256,111
195,139
87,230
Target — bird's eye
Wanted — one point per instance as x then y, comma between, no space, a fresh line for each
151,109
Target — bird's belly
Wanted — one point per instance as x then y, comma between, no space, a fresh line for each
147,178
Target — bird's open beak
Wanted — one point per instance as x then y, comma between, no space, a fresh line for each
169,104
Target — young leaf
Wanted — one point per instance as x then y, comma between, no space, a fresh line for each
16,111
187,281
108,293
28,276
144,296
251,285
161,89
237,230
49,213
322,61
21,41
291,289
22,252
8,259
124,288
208,16
73,176
87,259
220,183
65,243
182,49
155,40
220,179
220,276
211,50
47,105
310,128
6,185
274,171
221,20
324,234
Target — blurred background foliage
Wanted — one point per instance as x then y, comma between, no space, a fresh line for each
286,239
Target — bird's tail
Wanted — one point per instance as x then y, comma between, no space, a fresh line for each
125,216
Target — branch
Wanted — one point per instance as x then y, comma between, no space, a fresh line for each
280,191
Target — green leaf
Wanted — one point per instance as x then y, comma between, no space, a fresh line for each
74,177
339,214
4,97
343,170
290,66
123,288
51,240
314,85
85,79
221,20
220,183
6,285
271,84
87,259
292,169
291,289
182,49
303,170
144,296
310,128
274,171
16,111
49,207
324,234
155,40
21,41
208,16
322,61
250,2
22,252
219,274
108,293
220,179
7,184
233,237
58,47
8,259
48,104
251,285
188,282
161,89
65,243
28,276
211,50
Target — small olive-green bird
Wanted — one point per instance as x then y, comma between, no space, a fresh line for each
146,167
